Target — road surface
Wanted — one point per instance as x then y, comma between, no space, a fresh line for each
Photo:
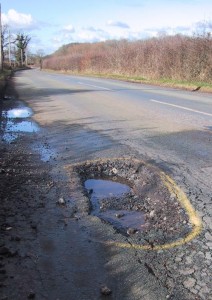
83,118
170,127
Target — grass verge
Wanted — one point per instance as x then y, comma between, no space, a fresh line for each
179,84
188,85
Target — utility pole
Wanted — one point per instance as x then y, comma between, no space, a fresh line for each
1,56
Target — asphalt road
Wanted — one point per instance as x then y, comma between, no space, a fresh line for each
169,126
85,118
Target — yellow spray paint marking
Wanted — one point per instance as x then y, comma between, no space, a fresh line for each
194,219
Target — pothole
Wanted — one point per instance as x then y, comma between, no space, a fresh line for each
130,194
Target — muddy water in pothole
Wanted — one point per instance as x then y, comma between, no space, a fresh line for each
99,189
124,218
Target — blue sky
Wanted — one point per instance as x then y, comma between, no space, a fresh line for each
55,23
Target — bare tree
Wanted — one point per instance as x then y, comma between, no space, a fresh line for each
7,41
22,42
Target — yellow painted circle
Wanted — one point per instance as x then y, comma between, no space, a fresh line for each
194,219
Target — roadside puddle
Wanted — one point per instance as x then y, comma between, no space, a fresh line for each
98,190
16,113
14,123
13,129
23,126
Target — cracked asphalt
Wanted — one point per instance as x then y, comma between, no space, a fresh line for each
51,246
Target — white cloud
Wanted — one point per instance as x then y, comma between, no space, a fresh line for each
68,28
63,36
194,28
93,29
91,36
70,34
117,24
18,20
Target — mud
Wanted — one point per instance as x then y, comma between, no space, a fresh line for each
24,188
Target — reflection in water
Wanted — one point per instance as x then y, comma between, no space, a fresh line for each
12,130
124,218
23,112
99,189
12,125
105,188
24,126
9,137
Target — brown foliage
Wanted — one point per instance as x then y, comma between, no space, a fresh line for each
172,57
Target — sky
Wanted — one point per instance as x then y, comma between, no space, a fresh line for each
51,24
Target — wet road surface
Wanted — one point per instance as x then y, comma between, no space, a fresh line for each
87,119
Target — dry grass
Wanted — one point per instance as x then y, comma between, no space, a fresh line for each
185,85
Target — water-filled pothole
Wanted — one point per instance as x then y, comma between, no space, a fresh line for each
99,191
124,219
149,196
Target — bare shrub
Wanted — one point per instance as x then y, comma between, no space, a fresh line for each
170,57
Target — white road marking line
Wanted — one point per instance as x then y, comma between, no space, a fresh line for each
96,86
182,107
